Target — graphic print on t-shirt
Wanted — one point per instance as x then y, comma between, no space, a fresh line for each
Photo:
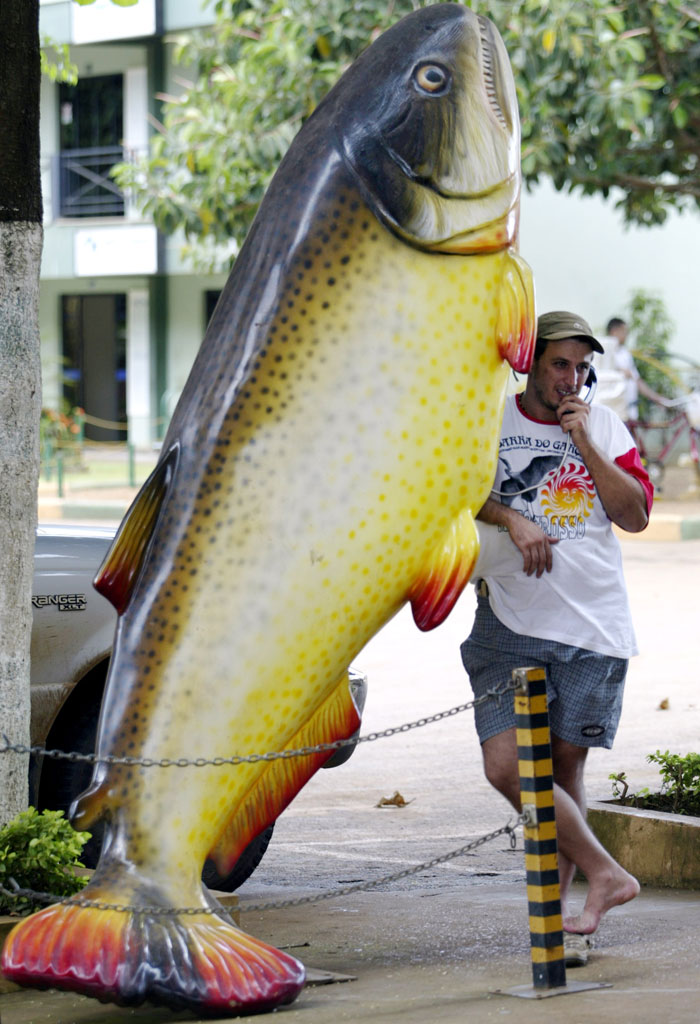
557,495
567,501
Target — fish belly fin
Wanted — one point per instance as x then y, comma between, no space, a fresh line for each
445,574
517,323
336,719
121,568
201,962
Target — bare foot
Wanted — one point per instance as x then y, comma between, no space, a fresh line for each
606,892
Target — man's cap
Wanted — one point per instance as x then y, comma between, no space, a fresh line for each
560,325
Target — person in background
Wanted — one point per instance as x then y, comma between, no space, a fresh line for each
624,364
551,594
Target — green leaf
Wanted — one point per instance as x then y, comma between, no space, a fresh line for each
651,81
680,116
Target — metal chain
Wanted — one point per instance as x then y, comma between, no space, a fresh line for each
406,873
496,693
45,897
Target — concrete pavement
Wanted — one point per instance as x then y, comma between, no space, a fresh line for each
421,957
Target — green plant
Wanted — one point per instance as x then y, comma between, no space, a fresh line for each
39,851
652,329
680,785
61,431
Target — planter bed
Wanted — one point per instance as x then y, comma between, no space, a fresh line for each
659,849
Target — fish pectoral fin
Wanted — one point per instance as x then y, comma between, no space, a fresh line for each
337,718
445,574
517,323
121,568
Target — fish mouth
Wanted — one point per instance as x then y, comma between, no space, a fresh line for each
461,223
489,74
442,169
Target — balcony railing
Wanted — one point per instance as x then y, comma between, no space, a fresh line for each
82,185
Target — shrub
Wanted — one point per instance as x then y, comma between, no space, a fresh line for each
680,786
39,851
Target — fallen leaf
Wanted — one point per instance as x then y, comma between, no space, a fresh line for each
664,705
394,801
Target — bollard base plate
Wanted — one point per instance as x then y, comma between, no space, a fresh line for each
530,992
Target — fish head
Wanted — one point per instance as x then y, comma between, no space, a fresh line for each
427,120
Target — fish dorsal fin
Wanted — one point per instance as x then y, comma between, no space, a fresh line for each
517,322
445,573
122,566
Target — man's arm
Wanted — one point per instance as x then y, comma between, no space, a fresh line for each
649,393
534,545
622,495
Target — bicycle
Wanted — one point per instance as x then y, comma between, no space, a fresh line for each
686,419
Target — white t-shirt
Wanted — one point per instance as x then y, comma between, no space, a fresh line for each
611,389
583,600
624,362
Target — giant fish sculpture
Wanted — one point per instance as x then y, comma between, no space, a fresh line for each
337,432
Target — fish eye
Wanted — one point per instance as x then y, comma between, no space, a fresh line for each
432,78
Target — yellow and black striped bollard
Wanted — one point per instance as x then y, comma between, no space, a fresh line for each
540,830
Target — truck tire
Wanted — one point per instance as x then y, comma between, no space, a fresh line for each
62,781
244,866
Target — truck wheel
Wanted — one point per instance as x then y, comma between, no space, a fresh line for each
243,868
62,781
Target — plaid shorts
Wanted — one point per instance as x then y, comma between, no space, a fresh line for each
584,689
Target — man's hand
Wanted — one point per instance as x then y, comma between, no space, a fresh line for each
532,542
574,416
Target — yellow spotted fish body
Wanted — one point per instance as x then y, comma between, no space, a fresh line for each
337,434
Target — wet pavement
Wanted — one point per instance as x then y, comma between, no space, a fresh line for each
448,944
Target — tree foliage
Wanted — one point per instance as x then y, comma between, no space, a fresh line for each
609,98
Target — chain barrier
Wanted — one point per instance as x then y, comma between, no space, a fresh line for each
497,693
45,897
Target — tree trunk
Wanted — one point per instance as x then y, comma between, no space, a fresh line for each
20,377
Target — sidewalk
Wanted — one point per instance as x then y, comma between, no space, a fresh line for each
675,516
422,957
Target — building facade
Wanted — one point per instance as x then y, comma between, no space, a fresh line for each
121,318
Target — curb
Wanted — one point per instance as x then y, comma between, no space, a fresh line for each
659,849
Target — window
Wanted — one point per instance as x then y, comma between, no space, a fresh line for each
91,133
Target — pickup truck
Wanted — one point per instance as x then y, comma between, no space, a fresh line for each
72,634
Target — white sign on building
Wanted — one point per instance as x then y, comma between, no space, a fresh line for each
115,251
104,20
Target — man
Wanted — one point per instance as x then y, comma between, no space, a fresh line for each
611,389
624,365
551,591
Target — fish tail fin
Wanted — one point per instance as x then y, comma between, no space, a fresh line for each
337,718
204,963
